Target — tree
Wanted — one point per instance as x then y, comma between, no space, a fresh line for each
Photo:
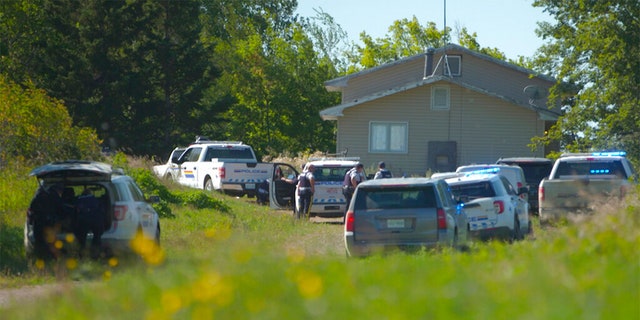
407,38
272,79
34,128
135,70
593,48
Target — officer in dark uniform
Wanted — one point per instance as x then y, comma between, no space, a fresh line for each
45,213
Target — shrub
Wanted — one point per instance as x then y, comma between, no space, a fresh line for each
35,128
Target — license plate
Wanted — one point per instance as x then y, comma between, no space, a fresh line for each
250,186
395,223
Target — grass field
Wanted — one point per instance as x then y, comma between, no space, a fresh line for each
244,261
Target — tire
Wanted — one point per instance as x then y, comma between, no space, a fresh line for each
208,185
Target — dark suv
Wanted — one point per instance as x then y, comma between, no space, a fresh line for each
535,169
127,212
403,213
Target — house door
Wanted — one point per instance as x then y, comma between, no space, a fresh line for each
442,156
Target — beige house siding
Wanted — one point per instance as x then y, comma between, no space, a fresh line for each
484,128
489,116
402,73
494,78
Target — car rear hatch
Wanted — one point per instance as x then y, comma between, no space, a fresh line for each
73,171
401,216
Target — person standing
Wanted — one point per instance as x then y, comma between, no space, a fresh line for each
382,172
306,188
90,218
352,179
45,213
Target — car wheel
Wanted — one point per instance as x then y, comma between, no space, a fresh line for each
208,185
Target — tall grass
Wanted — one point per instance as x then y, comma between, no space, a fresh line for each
249,262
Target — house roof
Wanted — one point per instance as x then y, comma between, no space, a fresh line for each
333,113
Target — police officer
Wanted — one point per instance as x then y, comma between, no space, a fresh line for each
382,172
45,213
352,179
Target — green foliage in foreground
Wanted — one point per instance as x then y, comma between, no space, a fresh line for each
250,262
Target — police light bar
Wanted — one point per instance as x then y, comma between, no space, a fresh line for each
483,171
610,153
599,171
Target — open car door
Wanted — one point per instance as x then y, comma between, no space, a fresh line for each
281,191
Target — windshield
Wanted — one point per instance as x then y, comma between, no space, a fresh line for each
396,198
229,153
473,190
535,172
330,173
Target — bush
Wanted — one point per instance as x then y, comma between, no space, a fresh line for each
37,129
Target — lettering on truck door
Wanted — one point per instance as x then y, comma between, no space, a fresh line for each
188,168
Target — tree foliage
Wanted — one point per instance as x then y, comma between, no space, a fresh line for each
594,49
35,128
275,78
407,37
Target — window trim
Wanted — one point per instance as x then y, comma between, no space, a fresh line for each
447,105
388,124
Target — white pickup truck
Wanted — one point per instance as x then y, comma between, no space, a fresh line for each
227,166
579,182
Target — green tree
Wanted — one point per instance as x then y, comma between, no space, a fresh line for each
135,70
34,128
407,38
594,49
272,79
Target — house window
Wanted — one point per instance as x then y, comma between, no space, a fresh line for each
388,137
440,98
454,64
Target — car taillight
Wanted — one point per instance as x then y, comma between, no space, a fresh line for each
540,194
442,219
520,185
120,212
349,221
222,172
499,206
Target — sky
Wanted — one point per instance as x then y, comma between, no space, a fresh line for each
508,25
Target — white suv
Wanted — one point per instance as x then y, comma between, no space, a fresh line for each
128,212
493,207
514,174
328,200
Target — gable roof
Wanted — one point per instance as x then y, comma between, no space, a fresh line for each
333,113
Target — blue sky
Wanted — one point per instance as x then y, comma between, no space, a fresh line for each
508,25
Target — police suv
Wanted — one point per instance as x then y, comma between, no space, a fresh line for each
493,206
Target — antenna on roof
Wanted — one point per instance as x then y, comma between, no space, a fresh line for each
533,92
429,71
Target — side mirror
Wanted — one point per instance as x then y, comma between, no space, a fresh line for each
153,199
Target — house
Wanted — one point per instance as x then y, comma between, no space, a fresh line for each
422,114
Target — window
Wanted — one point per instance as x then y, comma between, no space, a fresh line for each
440,98
388,137
454,64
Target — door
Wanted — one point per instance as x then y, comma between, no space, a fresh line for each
442,156
282,186
188,167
